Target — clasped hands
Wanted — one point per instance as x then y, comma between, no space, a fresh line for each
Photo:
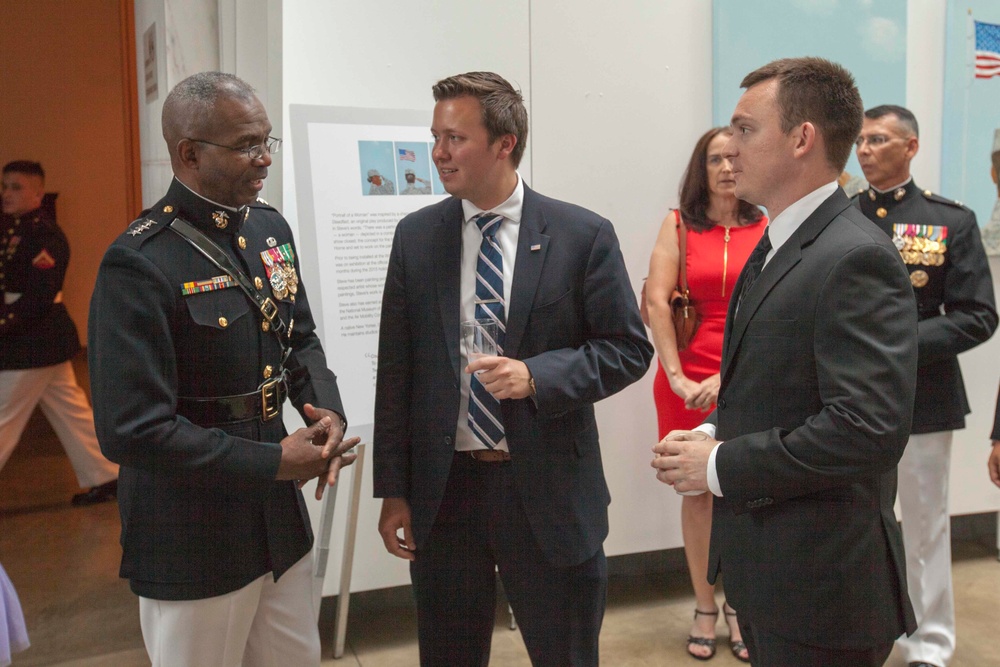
681,460
502,376
318,450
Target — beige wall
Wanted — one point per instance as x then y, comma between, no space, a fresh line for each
62,102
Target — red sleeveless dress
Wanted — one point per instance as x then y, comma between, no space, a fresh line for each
714,261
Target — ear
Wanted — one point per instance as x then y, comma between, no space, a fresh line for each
507,143
187,153
806,139
993,175
912,146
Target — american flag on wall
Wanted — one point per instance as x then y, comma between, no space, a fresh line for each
412,157
987,50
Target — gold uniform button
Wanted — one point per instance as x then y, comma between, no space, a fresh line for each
268,370
265,326
919,278
881,212
168,209
258,283
223,322
243,244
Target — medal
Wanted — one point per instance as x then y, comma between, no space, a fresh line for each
279,263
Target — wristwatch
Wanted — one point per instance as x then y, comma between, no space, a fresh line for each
531,386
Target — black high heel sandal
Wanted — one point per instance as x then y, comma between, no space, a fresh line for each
736,647
708,642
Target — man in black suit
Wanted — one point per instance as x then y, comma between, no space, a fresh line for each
191,360
38,339
940,243
501,469
818,374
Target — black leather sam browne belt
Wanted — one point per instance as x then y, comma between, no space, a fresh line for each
267,400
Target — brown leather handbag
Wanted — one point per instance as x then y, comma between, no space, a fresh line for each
685,316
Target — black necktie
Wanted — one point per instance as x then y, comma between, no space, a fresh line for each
754,265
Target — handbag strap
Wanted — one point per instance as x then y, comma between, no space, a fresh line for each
219,258
682,234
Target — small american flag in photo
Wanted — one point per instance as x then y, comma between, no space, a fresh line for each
407,155
987,50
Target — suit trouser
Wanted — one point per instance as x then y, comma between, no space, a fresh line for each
923,501
769,650
266,623
481,527
65,406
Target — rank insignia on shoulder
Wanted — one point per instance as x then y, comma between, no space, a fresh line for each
279,263
43,260
198,286
261,200
925,245
138,227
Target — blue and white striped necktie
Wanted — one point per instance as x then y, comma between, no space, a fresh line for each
484,410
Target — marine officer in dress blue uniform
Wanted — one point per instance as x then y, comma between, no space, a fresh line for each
940,243
37,337
199,329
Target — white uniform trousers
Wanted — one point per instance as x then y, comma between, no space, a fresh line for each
923,501
264,624
65,406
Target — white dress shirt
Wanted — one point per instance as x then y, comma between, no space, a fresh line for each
472,238
779,231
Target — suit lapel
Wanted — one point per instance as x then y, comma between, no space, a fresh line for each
447,259
786,257
532,246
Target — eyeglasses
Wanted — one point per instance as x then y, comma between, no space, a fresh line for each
271,146
874,141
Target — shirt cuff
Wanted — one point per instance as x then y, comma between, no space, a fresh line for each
712,475
706,428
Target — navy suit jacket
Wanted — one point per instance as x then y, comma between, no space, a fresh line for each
573,320
817,383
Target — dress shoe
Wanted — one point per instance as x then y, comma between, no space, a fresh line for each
98,494
921,664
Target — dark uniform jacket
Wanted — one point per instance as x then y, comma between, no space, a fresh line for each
35,329
941,245
202,514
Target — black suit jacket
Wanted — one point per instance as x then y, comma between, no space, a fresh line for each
818,376
202,513
572,319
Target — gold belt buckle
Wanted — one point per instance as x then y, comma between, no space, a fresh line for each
270,399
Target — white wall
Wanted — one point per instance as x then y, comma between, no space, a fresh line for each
617,96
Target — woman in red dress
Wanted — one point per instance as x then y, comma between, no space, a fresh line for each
721,233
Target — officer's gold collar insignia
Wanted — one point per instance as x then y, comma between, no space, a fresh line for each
221,219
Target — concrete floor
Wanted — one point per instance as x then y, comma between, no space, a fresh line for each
64,563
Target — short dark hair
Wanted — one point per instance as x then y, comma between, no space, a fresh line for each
502,104
28,167
820,92
905,116
694,189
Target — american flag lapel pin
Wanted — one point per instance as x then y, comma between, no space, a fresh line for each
537,246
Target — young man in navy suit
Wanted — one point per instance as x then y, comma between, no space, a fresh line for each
494,463
819,367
